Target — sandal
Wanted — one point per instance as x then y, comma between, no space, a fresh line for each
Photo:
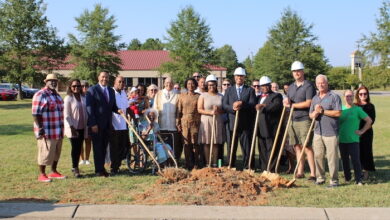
300,176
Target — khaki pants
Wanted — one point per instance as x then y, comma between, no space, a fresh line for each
48,151
326,146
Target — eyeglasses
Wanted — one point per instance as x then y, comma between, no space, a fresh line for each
84,86
154,90
196,76
76,86
257,86
226,84
362,94
349,96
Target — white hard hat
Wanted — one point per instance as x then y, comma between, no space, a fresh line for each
297,66
211,77
265,80
239,71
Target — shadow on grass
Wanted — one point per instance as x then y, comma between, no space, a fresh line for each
15,129
15,105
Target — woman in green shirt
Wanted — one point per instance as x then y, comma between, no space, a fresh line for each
349,134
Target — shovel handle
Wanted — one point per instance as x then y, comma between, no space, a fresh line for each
212,139
254,139
304,146
233,138
284,139
276,138
142,142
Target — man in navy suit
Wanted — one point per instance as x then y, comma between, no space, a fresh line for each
100,105
240,98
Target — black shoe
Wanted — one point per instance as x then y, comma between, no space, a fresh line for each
102,174
76,172
312,178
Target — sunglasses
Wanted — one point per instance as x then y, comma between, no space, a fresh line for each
84,86
362,94
227,84
349,96
257,86
196,76
76,86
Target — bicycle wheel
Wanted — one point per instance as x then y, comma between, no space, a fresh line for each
136,159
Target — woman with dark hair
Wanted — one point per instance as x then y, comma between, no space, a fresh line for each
210,104
187,123
84,155
75,123
366,155
143,102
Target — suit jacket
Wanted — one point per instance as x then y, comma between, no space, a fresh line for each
248,98
270,115
99,111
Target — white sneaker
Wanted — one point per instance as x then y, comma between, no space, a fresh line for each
82,162
86,162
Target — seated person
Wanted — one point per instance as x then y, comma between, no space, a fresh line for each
149,132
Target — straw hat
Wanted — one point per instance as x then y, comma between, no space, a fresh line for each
51,76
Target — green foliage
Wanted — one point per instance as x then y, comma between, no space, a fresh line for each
96,48
289,40
226,57
189,42
375,77
135,44
337,77
152,44
248,65
28,44
352,81
377,45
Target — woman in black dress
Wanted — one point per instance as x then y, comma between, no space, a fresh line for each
366,155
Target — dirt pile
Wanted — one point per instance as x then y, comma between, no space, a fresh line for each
210,186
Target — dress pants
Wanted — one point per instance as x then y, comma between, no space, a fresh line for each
244,136
119,144
76,143
99,145
265,148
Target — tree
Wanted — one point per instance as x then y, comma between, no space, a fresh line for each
248,65
152,44
337,77
226,57
97,47
189,42
289,40
135,44
28,44
377,45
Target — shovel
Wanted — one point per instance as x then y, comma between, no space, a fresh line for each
302,152
164,145
276,139
143,144
233,138
212,139
284,139
253,142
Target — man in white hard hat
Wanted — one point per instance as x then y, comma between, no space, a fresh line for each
48,111
270,105
299,96
240,97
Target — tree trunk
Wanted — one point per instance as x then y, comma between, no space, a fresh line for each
20,90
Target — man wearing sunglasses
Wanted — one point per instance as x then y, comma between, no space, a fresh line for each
256,87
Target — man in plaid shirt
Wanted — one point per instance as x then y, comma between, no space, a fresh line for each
47,111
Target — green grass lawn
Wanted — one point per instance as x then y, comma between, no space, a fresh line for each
19,171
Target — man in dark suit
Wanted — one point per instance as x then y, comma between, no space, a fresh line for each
270,105
100,105
240,98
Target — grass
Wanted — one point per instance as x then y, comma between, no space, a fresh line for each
19,171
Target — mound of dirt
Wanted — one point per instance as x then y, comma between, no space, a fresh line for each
210,186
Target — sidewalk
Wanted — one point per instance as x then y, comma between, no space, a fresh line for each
54,211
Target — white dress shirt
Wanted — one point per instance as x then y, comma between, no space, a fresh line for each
121,101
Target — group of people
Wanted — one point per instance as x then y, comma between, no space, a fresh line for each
201,120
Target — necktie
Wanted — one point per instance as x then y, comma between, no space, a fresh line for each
239,93
106,94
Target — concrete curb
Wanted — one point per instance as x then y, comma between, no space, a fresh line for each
70,211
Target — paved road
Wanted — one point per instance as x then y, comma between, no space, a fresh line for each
71,211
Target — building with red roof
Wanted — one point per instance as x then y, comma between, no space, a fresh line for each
140,66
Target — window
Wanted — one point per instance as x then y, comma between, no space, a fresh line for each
148,81
128,81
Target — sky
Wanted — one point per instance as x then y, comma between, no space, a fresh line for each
242,24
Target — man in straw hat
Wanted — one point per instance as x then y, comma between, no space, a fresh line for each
47,111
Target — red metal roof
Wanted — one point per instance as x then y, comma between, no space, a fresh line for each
142,60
